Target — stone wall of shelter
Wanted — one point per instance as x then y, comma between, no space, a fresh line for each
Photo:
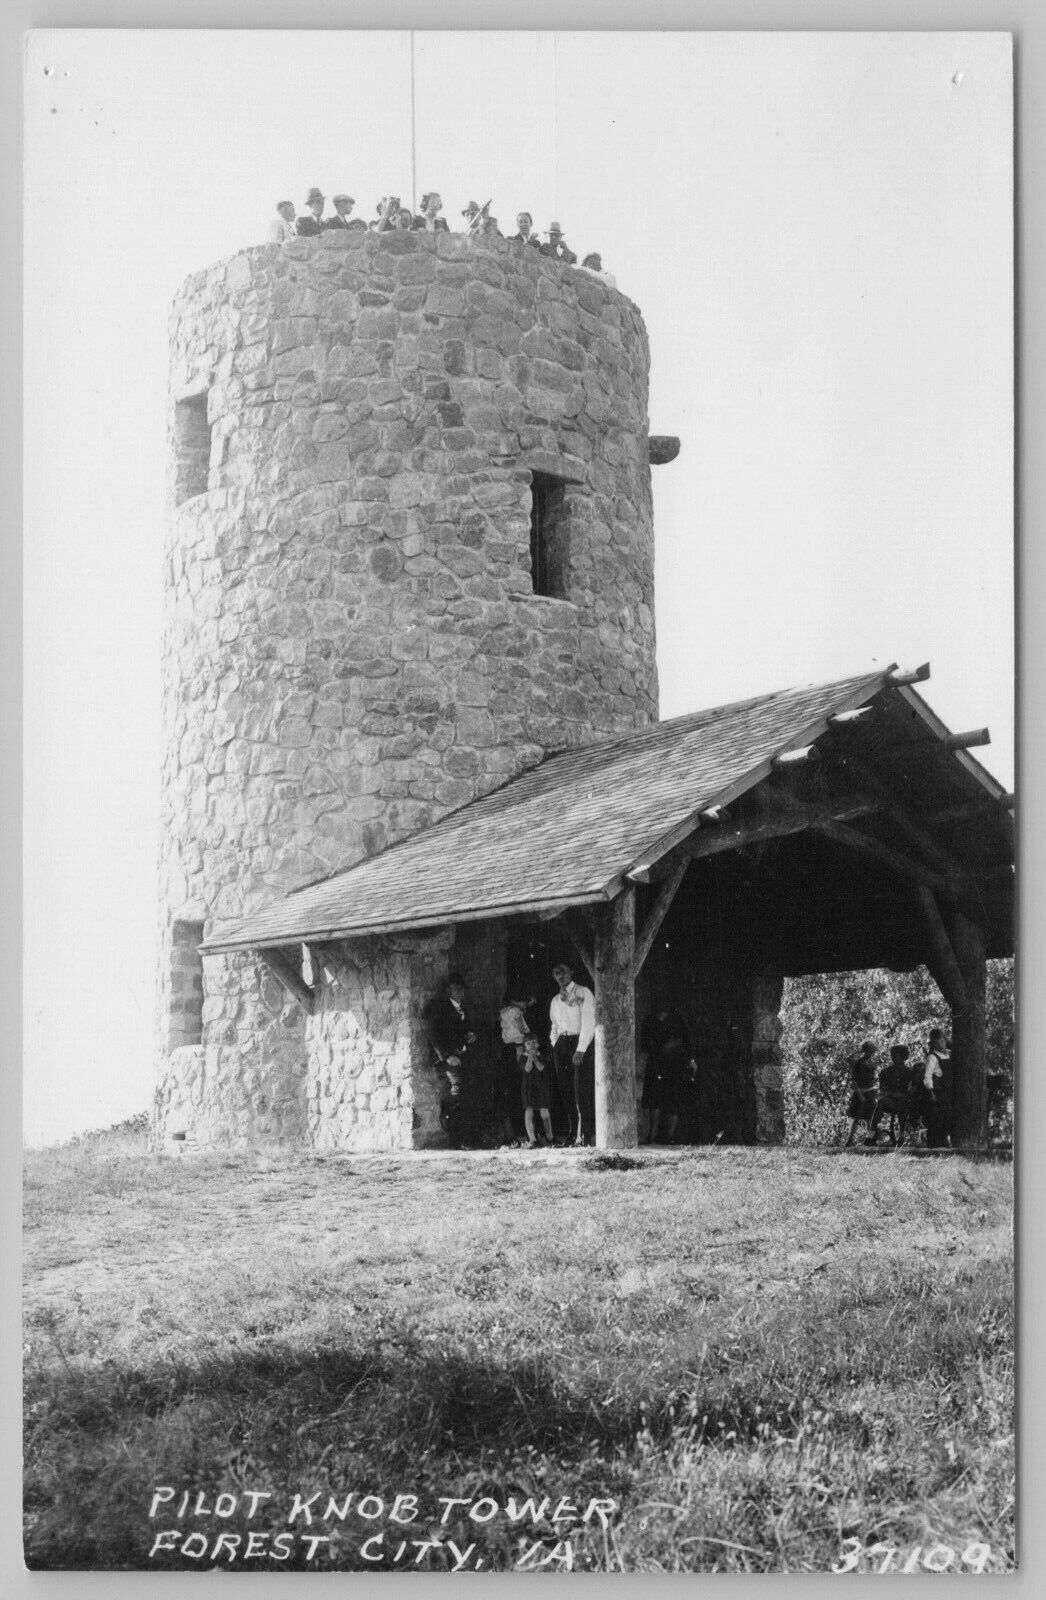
353,644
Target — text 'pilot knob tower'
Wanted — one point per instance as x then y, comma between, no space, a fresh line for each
411,551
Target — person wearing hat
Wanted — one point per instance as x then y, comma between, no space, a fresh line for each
311,223
556,247
342,218
282,228
474,215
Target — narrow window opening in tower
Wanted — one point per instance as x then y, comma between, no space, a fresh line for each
548,535
192,446
186,1003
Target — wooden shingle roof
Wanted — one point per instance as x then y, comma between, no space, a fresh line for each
565,833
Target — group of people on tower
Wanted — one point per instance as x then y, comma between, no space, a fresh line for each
392,216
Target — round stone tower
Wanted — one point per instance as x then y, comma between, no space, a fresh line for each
411,552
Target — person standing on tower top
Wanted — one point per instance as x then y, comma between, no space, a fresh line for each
282,228
525,233
312,222
557,247
428,217
342,218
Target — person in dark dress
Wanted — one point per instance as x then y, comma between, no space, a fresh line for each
864,1090
670,1073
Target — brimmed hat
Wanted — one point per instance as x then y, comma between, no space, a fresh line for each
470,210
337,197
554,227
314,194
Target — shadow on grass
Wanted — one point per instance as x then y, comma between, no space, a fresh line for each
399,1415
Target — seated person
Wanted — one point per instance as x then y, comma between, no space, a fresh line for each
895,1085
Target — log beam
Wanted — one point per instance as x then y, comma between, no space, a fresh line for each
656,915
797,819
615,1042
969,1099
916,835
903,866
947,973
283,968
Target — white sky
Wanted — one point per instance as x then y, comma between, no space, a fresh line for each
818,230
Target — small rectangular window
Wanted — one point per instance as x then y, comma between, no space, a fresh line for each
192,447
186,991
548,535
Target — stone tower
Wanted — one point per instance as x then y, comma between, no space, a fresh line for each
410,552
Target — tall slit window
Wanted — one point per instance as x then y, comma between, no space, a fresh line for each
186,993
548,535
192,443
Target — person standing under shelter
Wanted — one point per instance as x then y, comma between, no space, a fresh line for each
936,1090
453,1038
573,1017
864,1090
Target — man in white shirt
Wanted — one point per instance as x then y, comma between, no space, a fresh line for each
282,228
573,1017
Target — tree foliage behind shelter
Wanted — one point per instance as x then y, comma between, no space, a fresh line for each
828,1016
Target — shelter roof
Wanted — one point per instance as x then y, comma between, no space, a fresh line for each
573,829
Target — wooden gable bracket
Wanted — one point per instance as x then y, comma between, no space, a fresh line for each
916,835
656,915
283,968
903,866
579,931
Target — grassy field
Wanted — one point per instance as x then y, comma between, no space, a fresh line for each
757,1355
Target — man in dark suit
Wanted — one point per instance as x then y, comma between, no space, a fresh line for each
453,1038
311,223
556,247
342,218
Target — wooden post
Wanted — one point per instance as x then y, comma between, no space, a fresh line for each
616,1024
969,1038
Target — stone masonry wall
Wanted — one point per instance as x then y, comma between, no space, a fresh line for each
353,646
370,1081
